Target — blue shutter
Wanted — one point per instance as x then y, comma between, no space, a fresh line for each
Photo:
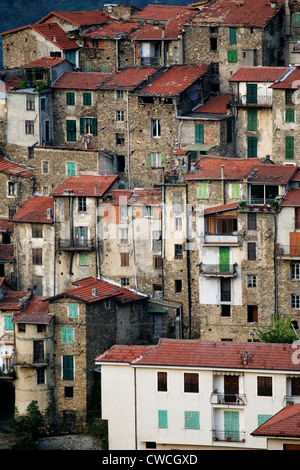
162,418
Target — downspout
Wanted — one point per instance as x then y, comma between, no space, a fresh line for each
133,248
117,55
223,184
275,265
135,409
188,266
128,143
71,232
54,254
97,244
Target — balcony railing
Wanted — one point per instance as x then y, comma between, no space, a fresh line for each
288,251
217,398
247,101
29,360
222,435
215,270
83,244
150,60
291,400
223,239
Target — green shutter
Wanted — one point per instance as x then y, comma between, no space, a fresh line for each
290,115
71,169
88,66
232,56
8,323
87,99
71,130
252,120
162,418
191,420
70,98
73,310
148,160
163,160
251,93
232,35
71,56
297,19
289,147
83,259
202,191
199,134
82,126
104,67
67,335
224,259
94,126
252,147
235,190
231,425
68,368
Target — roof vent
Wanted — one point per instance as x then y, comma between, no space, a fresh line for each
94,292
245,357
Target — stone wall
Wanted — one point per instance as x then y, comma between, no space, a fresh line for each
19,48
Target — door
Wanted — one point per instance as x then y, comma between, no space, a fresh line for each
224,259
231,425
251,93
231,388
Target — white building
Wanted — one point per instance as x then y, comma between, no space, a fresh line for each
191,394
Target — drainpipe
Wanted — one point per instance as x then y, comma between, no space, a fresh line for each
135,409
117,55
54,246
188,267
223,184
128,143
97,242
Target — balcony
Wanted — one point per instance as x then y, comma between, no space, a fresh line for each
77,244
228,436
289,252
218,270
217,398
224,239
291,400
263,101
150,60
30,360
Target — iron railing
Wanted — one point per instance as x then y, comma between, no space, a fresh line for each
228,398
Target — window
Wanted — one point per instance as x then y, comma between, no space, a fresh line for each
120,139
55,54
252,314
156,240
295,301
162,418
251,280
202,191
123,235
178,224
297,217
235,190
214,67
296,19
192,420
220,225
199,132
125,281
295,270
71,131
12,189
119,94
289,147
295,385
178,286
213,44
41,328
251,247
232,35
251,221
120,116
225,289
81,204
162,384
191,383
178,251
157,262
289,97
252,147
67,335
21,327
124,259
229,131
43,104
70,98
84,259
290,115
37,231
88,66
30,102
69,392
264,386
8,323
155,128
252,120
68,367
29,127
225,310
88,126
251,93
38,351
261,419
73,310
37,256
87,99
232,56
45,167
40,376
71,169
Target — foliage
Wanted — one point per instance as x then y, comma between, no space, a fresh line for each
29,426
280,332
100,430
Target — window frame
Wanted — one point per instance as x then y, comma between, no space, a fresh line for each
162,381
251,251
191,382
155,128
264,386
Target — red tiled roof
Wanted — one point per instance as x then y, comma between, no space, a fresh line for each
104,290
210,354
291,198
12,168
159,12
128,79
123,353
54,33
290,81
6,225
258,74
113,30
238,13
80,18
146,196
7,252
35,210
119,196
14,300
45,62
175,80
35,312
85,185
80,80
285,423
216,104
221,208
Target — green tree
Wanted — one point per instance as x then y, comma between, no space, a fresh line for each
280,332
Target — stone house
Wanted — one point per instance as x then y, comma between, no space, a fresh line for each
230,34
92,315
194,394
6,328
77,202
7,256
34,245
254,106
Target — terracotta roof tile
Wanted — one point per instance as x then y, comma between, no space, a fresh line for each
80,80
45,62
258,74
216,105
6,225
208,354
285,423
221,208
17,169
14,300
35,210
80,18
123,353
7,253
117,29
85,185
249,13
159,12
174,81
146,196
55,34
291,198
290,80
128,79
35,312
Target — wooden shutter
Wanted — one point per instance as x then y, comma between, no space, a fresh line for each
290,115
67,335
294,243
289,147
73,310
252,147
235,190
297,217
232,35
93,124
232,56
199,133
191,420
202,191
251,93
87,99
70,98
68,368
224,259
71,169
162,418
231,425
252,120
148,160
163,160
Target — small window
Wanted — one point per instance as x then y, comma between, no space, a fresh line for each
120,116
41,328
232,35
69,392
68,367
45,167
30,102
213,44
37,231
251,221
264,386
191,383
120,139
178,224
70,98
157,262
123,235
225,310
232,56
178,251
87,99
124,259
84,259
43,104
21,327
252,147
67,335
119,94
40,376
251,281
155,128
37,256
162,418
12,189
125,281
235,190
162,381
295,301
251,247
289,147
81,204
252,119
290,115
71,130
73,310
178,286
202,191
199,133
71,169
29,127
8,325
252,314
